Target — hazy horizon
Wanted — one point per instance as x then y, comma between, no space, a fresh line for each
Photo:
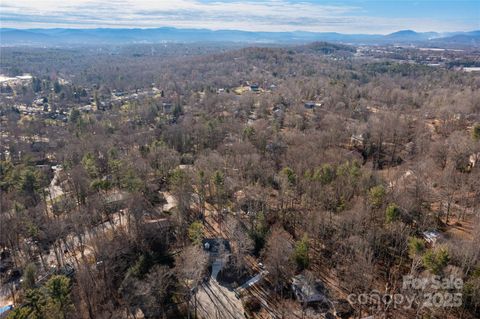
179,28
348,17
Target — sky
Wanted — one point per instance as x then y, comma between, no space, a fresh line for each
350,16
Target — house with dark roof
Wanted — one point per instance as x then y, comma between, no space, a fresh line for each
254,88
308,290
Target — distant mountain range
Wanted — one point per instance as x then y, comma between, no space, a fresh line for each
63,37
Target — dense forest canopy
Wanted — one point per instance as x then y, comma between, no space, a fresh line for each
156,181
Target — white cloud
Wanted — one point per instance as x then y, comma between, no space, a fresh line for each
262,15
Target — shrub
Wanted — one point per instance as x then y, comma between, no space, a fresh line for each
290,175
391,213
376,196
195,232
416,247
29,276
476,132
301,253
325,174
436,260
141,267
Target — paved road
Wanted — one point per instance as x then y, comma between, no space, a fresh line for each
54,189
217,302
253,280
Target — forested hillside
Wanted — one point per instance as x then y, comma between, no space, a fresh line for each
212,181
